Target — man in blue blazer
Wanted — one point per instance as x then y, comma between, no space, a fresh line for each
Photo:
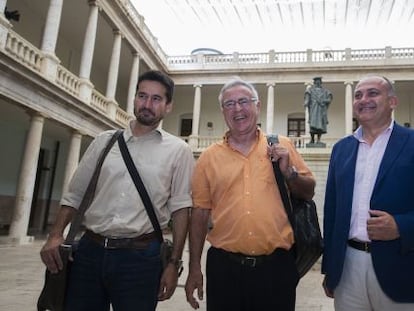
368,260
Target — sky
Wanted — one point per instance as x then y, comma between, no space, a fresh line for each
177,34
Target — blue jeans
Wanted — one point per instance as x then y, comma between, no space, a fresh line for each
128,279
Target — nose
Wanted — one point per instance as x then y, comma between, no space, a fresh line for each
146,102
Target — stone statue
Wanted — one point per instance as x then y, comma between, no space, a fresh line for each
317,100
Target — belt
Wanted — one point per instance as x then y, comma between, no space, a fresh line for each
248,261
139,242
361,246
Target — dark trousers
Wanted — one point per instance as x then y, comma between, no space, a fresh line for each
232,286
126,278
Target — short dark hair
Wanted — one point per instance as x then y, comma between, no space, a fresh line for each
158,76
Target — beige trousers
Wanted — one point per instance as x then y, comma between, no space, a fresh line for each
359,290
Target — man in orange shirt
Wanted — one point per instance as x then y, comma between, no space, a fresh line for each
249,265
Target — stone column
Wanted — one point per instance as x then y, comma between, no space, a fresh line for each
113,75
71,164
114,66
5,25
85,89
73,158
348,107
50,35
2,7
393,111
133,80
26,183
307,127
193,139
270,112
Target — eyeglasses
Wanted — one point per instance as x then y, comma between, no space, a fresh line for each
243,102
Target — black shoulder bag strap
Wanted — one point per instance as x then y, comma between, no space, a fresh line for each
90,191
140,187
280,179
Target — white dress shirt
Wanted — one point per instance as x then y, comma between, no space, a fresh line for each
366,171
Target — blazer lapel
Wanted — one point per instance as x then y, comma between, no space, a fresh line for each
397,141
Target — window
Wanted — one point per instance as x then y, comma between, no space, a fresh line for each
296,127
186,127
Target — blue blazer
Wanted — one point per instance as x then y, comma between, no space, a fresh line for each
393,192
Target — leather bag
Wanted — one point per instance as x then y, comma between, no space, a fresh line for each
303,218
308,238
53,294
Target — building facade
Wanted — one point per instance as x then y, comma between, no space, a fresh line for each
69,71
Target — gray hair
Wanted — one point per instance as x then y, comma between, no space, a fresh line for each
236,82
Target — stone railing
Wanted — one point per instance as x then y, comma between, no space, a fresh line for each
31,57
23,51
99,102
122,116
199,143
288,59
68,80
139,20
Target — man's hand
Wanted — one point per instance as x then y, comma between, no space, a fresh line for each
329,293
382,226
194,282
279,153
168,283
50,254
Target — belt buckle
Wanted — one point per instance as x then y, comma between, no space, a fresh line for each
366,247
249,261
106,243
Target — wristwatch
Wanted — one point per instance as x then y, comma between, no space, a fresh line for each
177,263
292,173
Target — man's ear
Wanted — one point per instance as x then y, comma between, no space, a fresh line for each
169,106
393,101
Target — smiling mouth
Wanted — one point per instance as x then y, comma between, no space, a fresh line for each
363,109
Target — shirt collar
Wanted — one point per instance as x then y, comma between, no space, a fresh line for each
358,132
227,135
158,132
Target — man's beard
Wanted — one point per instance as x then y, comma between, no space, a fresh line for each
146,117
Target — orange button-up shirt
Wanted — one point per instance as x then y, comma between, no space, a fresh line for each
247,211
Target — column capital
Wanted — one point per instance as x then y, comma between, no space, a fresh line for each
76,131
197,85
273,84
116,31
36,114
93,2
349,82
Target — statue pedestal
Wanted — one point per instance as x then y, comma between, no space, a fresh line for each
316,145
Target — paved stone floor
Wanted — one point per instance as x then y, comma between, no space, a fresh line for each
21,278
